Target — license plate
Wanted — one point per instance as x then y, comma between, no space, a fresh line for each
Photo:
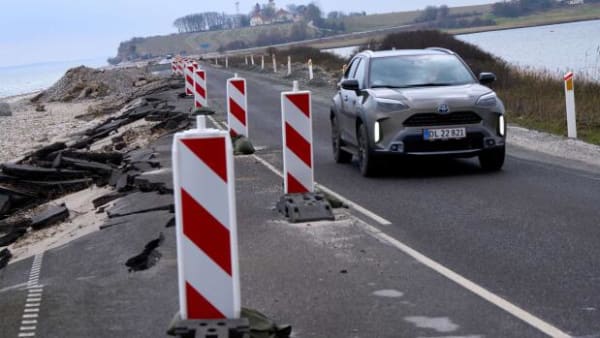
444,134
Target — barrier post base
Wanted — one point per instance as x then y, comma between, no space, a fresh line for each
211,328
307,207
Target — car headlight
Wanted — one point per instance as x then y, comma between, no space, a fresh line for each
388,106
377,132
488,100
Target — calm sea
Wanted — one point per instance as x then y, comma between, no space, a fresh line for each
553,48
23,79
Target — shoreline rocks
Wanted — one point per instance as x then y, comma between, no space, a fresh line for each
5,109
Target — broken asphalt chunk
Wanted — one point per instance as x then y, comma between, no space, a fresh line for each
42,174
45,151
102,200
105,158
4,204
95,167
12,236
51,216
149,256
5,256
141,202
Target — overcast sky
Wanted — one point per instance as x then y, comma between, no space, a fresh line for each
34,31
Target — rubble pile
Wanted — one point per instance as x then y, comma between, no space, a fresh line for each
62,168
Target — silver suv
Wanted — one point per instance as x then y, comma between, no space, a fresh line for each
417,103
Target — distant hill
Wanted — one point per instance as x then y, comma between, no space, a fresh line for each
212,41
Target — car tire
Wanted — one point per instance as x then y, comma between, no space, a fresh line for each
339,154
367,162
492,160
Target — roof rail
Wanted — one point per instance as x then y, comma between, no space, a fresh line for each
440,49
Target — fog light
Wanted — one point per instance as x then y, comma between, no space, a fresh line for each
376,132
501,125
397,147
491,142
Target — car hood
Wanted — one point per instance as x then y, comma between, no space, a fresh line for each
426,97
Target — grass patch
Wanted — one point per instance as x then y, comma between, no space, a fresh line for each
533,99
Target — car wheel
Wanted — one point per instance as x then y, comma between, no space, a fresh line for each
339,155
366,160
492,160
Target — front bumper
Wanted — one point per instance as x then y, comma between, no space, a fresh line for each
410,141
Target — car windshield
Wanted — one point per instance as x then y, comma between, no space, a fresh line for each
418,70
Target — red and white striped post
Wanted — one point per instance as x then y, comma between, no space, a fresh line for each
200,97
174,66
207,250
296,110
180,66
237,106
189,78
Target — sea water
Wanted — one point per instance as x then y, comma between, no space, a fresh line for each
22,79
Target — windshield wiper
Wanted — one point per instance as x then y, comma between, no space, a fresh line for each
432,84
388,86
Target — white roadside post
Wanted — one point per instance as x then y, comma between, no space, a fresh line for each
252,59
274,63
206,225
262,62
311,75
227,62
570,100
289,65
246,59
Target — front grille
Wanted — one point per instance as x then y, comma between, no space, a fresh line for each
434,119
416,144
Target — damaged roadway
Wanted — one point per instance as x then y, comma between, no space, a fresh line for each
326,279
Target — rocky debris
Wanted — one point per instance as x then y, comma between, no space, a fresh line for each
5,256
83,82
5,109
40,108
50,216
242,146
149,256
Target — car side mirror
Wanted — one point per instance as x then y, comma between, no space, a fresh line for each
486,78
350,85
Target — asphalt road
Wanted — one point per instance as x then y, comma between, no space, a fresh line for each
529,233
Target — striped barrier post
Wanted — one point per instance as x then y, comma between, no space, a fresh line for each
200,97
189,78
296,121
237,106
570,103
174,66
207,250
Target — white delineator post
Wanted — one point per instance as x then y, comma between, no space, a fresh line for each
205,208
226,62
200,97
296,110
262,62
289,65
311,75
274,63
570,98
189,78
252,59
237,106
246,59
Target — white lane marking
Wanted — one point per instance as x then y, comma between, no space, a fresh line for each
500,302
34,299
505,305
